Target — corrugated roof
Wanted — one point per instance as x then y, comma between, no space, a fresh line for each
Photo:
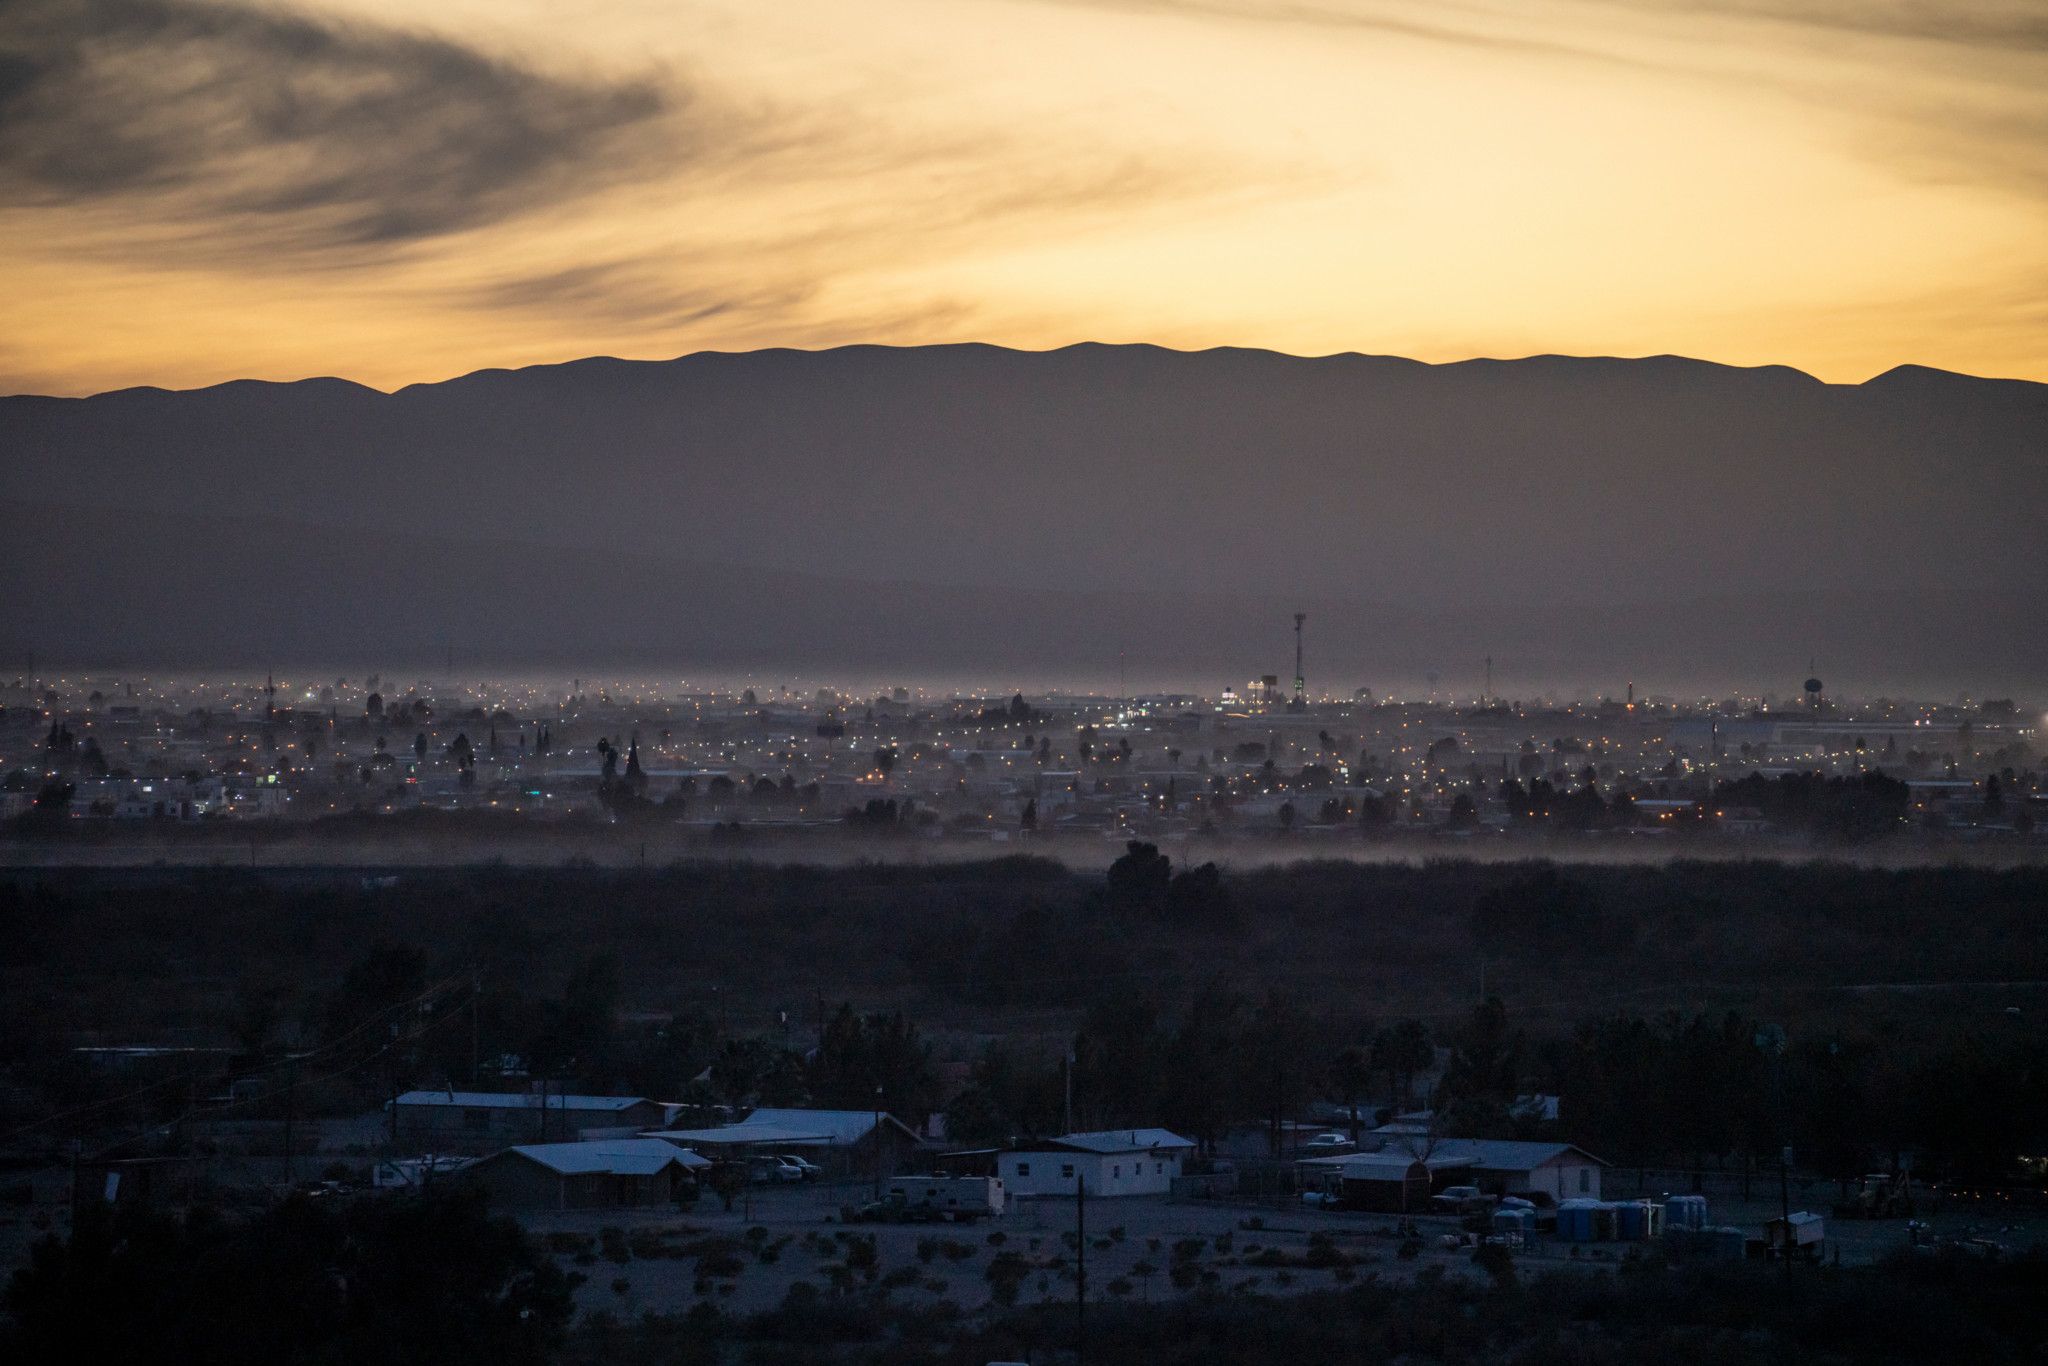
1513,1155
520,1100
742,1134
840,1126
1124,1140
611,1156
1393,1162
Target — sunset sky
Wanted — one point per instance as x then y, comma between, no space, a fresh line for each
395,192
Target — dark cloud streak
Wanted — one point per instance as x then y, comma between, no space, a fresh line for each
221,125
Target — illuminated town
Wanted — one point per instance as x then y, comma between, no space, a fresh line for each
1258,761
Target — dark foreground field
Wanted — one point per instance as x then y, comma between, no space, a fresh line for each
1692,1014
1692,1017
406,1279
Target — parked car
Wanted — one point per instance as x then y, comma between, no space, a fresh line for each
1327,1143
1320,1199
1459,1200
804,1170
772,1171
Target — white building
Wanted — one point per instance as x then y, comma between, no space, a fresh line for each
1112,1162
1561,1171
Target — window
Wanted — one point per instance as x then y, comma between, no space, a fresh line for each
1023,1169
1158,1168
1067,1171
1116,1173
1585,1178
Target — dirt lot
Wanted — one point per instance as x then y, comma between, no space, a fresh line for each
1137,1248
665,1261
638,1261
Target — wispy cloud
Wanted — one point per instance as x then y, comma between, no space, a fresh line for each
2002,25
222,126
1955,91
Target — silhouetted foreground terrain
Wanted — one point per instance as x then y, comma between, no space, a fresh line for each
1201,1000
407,1279
960,508
1685,1015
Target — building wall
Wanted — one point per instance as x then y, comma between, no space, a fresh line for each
1569,1178
513,1182
1107,1174
1560,1179
603,1190
1399,1196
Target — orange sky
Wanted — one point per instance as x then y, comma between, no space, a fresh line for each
191,192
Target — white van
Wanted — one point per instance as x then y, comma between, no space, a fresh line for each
961,1198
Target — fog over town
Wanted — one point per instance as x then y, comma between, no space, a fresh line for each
1269,764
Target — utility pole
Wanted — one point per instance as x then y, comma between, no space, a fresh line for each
476,991
1070,1090
878,1144
291,1081
1080,1266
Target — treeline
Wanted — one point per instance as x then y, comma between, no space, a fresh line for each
1266,988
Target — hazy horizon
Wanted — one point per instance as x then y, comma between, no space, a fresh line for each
452,376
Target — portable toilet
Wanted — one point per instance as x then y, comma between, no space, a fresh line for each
1638,1221
1686,1211
1575,1220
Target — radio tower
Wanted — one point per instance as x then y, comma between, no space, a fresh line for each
1300,702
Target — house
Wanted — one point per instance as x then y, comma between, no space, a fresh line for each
1396,1181
843,1142
605,1174
1562,1171
484,1120
1112,1162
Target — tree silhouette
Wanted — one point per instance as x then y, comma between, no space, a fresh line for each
1138,881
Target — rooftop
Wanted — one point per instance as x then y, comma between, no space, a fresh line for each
613,1156
519,1100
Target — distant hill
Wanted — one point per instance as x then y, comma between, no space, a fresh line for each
967,509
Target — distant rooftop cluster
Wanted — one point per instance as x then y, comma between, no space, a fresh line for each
1257,760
